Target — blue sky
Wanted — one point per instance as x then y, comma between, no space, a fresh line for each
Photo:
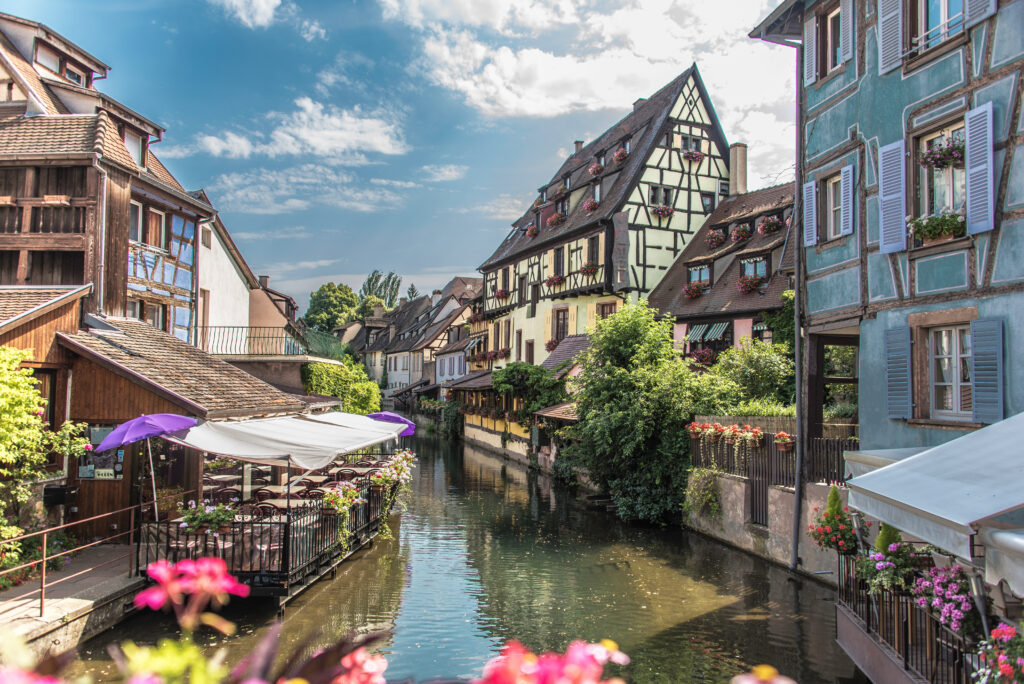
339,136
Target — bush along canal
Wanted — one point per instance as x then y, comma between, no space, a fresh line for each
486,552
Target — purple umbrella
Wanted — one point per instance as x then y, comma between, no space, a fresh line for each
142,428
389,417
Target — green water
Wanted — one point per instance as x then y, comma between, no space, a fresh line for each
487,552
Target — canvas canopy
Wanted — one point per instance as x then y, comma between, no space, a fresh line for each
310,441
946,494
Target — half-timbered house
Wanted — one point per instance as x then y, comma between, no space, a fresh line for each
609,223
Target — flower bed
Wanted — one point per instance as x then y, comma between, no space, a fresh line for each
714,239
769,225
944,155
556,220
663,211
749,283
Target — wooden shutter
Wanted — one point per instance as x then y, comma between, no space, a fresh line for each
980,201
890,35
810,50
976,11
898,387
572,320
846,185
846,23
592,313
809,202
548,324
987,370
551,261
600,249
891,198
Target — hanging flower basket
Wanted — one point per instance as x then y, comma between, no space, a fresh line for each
560,189
714,238
502,294
589,269
748,283
556,220
537,202
620,155
951,154
694,156
696,430
595,169
532,231
555,280
769,225
589,205
783,441
504,353
693,290
740,233
551,344
663,211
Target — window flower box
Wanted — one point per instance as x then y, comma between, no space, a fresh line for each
714,239
589,205
693,156
783,441
589,269
595,169
769,225
704,357
740,233
943,156
501,294
693,290
663,211
560,189
556,220
749,283
555,280
551,344
941,228
504,353
532,231
620,155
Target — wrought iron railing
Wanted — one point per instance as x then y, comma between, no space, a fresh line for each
823,461
240,340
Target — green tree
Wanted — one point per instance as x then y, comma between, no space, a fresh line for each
330,306
347,381
535,385
366,306
384,286
412,292
761,369
781,321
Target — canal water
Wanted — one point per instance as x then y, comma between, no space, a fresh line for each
487,551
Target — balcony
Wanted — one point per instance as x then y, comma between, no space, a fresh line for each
34,216
240,340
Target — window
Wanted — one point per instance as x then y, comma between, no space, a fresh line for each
936,21
754,267
531,311
600,159
561,324
562,206
133,309
828,39
723,188
625,144
942,190
136,148
833,207
667,142
207,237
661,195
156,315
559,261
700,274
134,221
519,345
462,365
593,250
690,142
508,333
48,58
156,231
504,278
950,363
74,76
543,194
567,181
405,362
521,290
606,309
529,351
832,54
597,192
707,202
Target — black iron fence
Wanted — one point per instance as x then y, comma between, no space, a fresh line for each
923,645
823,460
240,340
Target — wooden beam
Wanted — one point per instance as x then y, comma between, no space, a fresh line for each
52,242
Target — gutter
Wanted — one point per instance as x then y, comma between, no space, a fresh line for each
798,256
101,281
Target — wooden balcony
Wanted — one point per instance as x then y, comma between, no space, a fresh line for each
576,284
49,216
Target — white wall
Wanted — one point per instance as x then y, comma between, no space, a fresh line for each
229,291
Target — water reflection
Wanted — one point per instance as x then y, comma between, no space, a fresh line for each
488,552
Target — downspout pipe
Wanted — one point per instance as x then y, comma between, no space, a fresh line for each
101,281
798,258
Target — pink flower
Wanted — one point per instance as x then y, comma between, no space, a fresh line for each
363,668
88,447
210,576
16,675
167,590
1004,632
761,674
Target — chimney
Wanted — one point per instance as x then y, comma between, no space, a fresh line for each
378,311
435,298
737,169
636,105
264,282
578,144
403,300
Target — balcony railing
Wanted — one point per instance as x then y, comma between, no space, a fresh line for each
67,219
240,340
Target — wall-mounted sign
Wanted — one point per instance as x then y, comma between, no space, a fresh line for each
86,472
104,473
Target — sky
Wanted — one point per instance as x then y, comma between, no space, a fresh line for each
339,136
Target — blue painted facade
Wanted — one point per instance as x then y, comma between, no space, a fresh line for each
862,283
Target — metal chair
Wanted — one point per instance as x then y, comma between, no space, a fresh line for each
267,510
314,493
345,474
260,481
303,483
225,495
263,494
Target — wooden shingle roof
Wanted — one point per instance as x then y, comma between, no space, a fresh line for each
19,305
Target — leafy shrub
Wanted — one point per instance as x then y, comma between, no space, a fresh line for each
536,386
761,369
840,412
347,381
763,408
702,494
451,420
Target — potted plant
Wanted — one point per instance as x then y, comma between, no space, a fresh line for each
946,592
714,239
752,436
1001,657
769,225
783,441
731,433
532,231
749,283
939,228
693,290
694,156
589,205
714,432
199,519
556,220
832,529
741,233
890,568
696,429
620,155
589,269
502,294
941,156
551,344
595,168
663,211
554,280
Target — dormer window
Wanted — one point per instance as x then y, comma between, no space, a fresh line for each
597,192
754,267
47,58
544,195
600,159
562,206
136,147
699,274
625,144
74,76
567,182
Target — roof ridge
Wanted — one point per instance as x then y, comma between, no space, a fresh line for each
102,121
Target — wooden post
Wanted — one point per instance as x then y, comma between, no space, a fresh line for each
42,578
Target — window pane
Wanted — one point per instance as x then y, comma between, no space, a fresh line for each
965,398
932,20
965,369
762,268
943,370
959,189
943,398
942,342
955,14
835,56
965,341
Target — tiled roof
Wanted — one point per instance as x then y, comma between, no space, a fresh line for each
17,304
13,59
39,135
463,288
109,143
724,296
565,412
211,387
470,381
642,126
157,170
456,346
566,350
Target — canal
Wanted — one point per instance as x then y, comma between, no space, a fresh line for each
487,552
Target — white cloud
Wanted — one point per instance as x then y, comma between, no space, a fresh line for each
230,145
311,30
389,182
291,233
289,266
504,207
251,13
436,173
506,16
339,73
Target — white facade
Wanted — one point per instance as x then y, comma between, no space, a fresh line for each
450,366
223,287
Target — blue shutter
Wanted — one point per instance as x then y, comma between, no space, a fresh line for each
890,35
898,388
846,185
978,144
987,370
846,22
976,11
810,50
892,221
810,211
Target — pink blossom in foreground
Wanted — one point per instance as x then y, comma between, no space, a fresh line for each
16,675
363,668
168,589
582,663
761,674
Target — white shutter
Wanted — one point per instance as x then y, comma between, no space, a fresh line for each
892,221
890,35
846,23
846,184
809,207
976,11
810,50
980,202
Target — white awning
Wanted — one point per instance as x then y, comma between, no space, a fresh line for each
310,441
945,494
1004,557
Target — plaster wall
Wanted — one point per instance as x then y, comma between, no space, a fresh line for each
220,276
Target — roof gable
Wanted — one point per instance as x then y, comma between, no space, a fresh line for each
19,305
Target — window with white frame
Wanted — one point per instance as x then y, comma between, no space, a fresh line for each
833,207
597,192
950,362
660,195
754,267
136,147
134,221
936,20
942,189
700,274
156,233
690,142
833,52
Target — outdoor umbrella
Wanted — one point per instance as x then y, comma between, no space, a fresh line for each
390,417
142,428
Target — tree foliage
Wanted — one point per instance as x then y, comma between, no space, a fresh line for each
761,369
330,306
535,385
366,307
413,292
384,286
347,381
781,321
